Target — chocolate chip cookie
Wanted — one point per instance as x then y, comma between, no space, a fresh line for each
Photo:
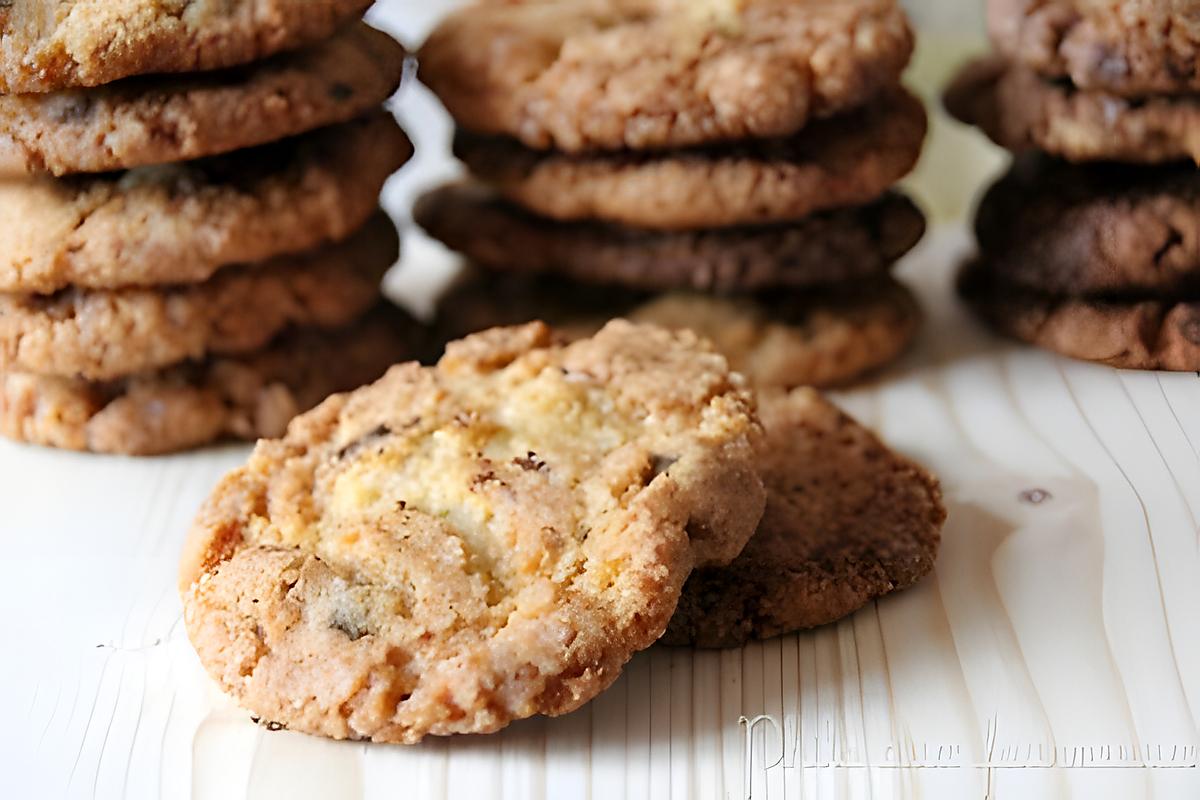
840,245
164,119
582,75
180,223
454,548
847,521
848,160
103,334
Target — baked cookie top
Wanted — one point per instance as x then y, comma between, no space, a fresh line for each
457,547
847,521
103,334
614,74
844,161
180,223
56,44
1129,47
164,119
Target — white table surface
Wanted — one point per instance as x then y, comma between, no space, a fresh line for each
1055,652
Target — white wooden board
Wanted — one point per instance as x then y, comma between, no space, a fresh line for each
1055,653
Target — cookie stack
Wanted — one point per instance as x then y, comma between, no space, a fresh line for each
723,166
1090,245
456,547
194,247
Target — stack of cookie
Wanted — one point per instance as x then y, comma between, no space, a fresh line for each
738,157
456,547
194,247
1090,246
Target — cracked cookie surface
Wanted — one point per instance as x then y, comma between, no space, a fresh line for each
777,338
180,223
1129,47
1126,333
844,161
847,521
164,119
104,334
457,547
1098,229
233,397
825,248
55,44
581,75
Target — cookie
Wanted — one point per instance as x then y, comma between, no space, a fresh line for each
244,397
457,547
579,75
847,521
775,339
1020,110
180,223
177,118
839,245
105,334
56,44
1128,47
1102,229
1133,333
845,161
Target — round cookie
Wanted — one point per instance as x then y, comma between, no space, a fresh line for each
177,118
776,339
245,397
56,44
180,223
844,161
1128,47
834,246
579,75
1020,110
847,521
1130,334
1102,229
458,547
105,334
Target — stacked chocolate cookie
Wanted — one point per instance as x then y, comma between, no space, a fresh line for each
194,246
738,157
1090,246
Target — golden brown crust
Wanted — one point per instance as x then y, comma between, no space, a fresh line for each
847,521
849,160
456,547
105,334
165,119
54,44
180,223
640,74
186,406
